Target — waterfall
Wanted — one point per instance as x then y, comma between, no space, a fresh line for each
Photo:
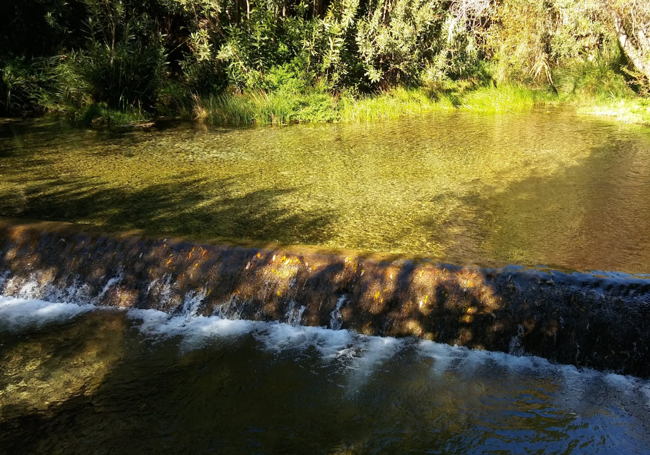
572,318
335,317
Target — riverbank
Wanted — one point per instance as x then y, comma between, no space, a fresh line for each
281,108
635,111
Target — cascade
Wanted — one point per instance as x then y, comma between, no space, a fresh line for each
583,319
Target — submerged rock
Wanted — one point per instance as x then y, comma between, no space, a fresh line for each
44,370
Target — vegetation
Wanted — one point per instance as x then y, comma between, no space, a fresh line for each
284,61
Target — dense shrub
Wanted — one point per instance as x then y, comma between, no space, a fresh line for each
164,55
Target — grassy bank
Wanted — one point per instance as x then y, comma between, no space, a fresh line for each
285,108
622,110
259,108
282,108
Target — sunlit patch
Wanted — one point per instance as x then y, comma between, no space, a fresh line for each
48,369
439,197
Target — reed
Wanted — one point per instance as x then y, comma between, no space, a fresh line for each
399,102
505,98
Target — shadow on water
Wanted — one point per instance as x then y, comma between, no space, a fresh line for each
538,189
545,216
233,396
588,216
182,206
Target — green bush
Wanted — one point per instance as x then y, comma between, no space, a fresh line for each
128,78
24,85
598,79
285,61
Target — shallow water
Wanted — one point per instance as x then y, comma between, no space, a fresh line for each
542,188
76,379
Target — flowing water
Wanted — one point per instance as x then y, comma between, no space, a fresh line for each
547,187
544,188
77,379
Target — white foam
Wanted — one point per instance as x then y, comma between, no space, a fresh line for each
159,324
645,390
35,288
78,292
516,347
272,336
445,357
359,355
3,279
374,352
232,309
623,384
16,312
162,290
468,362
29,290
277,336
109,284
294,315
336,316
192,302
378,349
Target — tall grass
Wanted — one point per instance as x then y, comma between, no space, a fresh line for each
599,80
262,108
596,88
282,108
592,88
506,98
396,103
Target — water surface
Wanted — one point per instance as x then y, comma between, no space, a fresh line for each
542,188
75,379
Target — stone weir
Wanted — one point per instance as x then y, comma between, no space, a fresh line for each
571,318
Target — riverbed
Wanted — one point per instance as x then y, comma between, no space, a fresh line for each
547,188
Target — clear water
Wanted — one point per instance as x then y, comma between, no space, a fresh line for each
543,188
76,379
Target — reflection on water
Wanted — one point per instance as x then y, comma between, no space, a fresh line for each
546,188
43,369
155,383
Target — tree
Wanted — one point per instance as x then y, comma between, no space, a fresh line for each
631,20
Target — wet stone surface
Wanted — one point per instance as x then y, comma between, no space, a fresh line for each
580,319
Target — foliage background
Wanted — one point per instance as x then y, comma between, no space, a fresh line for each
243,61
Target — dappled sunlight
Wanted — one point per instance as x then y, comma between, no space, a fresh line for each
328,227
514,310
41,372
308,206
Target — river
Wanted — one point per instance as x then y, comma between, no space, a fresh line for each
547,188
76,379
543,188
